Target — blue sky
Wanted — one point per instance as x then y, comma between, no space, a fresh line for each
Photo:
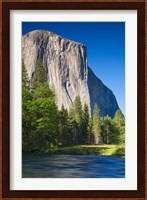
105,43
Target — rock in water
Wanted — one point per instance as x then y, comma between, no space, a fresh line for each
67,70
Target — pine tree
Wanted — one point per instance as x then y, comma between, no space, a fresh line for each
110,132
96,124
85,122
105,127
65,138
40,75
90,132
75,116
44,91
119,118
77,105
74,132
119,121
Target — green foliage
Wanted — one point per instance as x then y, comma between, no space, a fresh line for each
40,116
121,138
106,129
113,130
89,150
45,127
74,132
79,121
39,76
90,133
96,124
43,92
120,151
73,127
109,131
85,121
77,106
119,118
119,121
75,116
25,79
45,119
26,100
65,137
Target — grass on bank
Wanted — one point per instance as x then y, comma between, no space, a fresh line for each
107,150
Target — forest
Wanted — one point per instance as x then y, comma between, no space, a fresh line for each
45,126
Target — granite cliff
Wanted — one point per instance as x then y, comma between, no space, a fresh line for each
67,70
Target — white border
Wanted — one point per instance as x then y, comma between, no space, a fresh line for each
127,183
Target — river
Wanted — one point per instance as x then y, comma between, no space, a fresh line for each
72,166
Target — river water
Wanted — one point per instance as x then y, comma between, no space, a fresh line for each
72,166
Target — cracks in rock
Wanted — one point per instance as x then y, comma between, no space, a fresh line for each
65,87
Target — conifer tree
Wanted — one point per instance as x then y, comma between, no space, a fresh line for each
110,132
119,121
65,138
107,130
85,122
77,105
90,132
73,127
96,124
74,132
40,75
119,118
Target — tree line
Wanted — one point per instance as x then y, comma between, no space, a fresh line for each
45,126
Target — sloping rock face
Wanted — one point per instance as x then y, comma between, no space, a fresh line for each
101,95
67,70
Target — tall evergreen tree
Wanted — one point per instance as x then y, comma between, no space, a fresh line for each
39,76
74,132
65,137
119,118
75,114
77,105
106,130
44,91
96,124
119,121
90,132
73,128
85,122
110,131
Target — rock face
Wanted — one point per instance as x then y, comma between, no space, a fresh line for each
101,95
67,70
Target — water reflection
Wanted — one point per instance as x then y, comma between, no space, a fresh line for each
72,166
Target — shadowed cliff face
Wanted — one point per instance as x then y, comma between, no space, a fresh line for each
101,95
67,70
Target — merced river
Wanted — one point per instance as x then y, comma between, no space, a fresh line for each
72,166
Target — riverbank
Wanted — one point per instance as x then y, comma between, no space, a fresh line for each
107,150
